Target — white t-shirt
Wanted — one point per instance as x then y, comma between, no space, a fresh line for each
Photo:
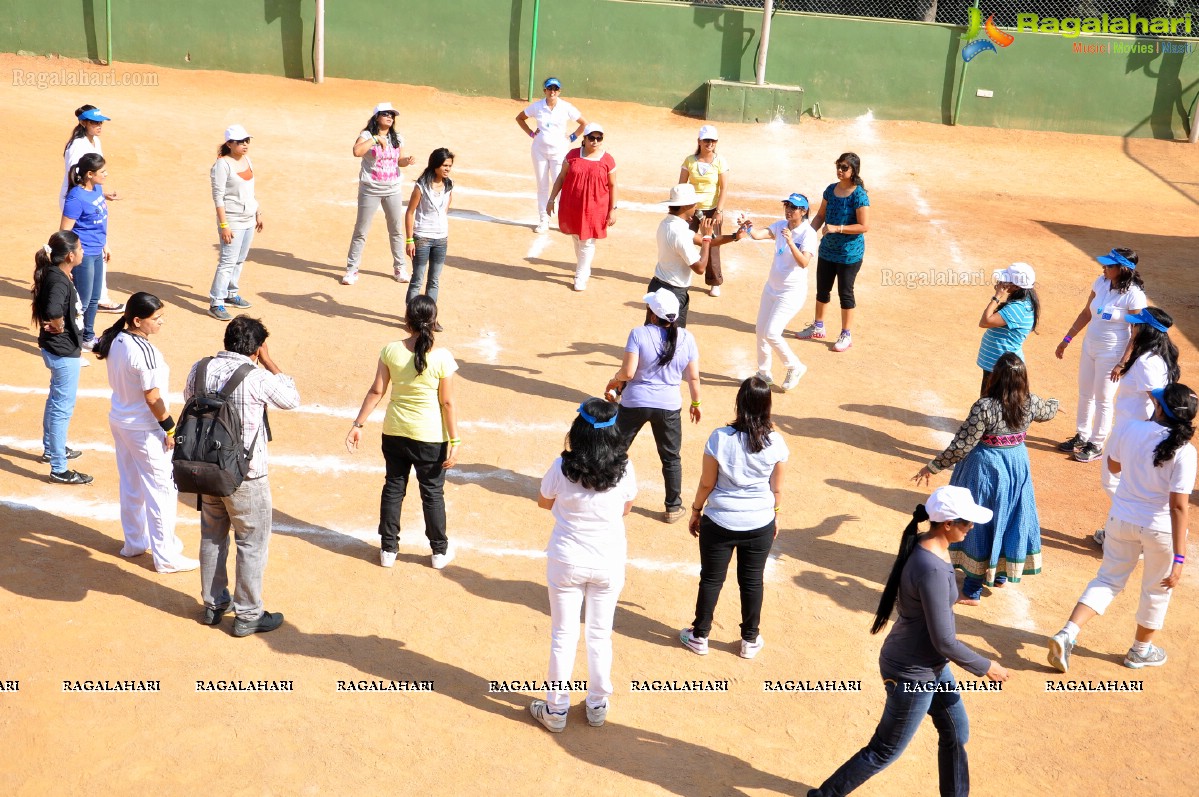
588,526
554,126
676,252
785,273
742,499
79,147
135,365
1143,497
1149,372
1113,333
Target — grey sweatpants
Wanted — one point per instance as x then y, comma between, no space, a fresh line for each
368,206
248,512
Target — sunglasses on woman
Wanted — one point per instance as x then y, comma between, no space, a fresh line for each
595,138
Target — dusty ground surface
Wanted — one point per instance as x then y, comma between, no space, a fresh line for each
859,426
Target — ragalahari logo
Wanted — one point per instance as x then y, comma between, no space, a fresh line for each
994,35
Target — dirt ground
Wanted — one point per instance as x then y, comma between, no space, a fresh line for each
858,427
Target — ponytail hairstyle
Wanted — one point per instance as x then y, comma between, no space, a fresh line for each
1020,294
753,413
1180,401
1009,387
91,162
1128,276
80,128
139,305
907,544
1150,340
855,163
421,320
671,324
57,249
595,456
436,159
393,138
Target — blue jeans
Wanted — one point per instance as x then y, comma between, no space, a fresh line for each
60,403
906,706
972,586
430,255
89,282
228,268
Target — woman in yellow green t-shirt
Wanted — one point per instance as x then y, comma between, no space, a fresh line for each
709,174
420,430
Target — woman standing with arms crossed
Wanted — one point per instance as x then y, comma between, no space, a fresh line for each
989,458
786,287
1156,463
85,138
589,489
427,223
588,186
59,314
707,172
657,357
144,434
86,214
237,219
914,660
420,430
554,116
381,148
845,215
740,493
1118,292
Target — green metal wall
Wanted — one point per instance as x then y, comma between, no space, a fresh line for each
657,53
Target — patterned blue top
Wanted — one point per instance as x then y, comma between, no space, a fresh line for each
1000,340
842,247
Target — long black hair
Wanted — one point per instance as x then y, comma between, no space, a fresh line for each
1182,402
60,246
1150,340
753,413
1031,294
1128,276
1009,386
372,127
421,319
670,342
91,162
855,163
80,126
907,544
436,158
594,458
139,305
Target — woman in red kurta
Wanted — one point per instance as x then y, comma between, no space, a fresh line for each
588,206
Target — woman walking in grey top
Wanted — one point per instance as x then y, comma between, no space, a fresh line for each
915,657
238,217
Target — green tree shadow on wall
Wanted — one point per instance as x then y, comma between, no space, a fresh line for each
291,34
735,40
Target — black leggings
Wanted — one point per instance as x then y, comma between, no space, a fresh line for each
845,275
716,547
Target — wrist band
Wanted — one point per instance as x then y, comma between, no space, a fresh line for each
706,238
697,509
167,423
223,225
1179,559
777,508
1067,339
358,425
695,404
574,137
996,299
532,134
455,441
409,240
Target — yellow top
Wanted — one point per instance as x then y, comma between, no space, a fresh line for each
705,177
414,410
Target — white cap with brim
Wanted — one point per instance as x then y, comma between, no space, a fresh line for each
663,304
955,503
708,131
681,195
383,106
235,133
593,127
1019,274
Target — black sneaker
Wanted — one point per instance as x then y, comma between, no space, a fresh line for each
70,477
1088,453
71,454
266,621
213,616
1071,445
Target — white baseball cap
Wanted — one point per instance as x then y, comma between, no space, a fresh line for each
235,133
384,106
682,194
953,503
663,304
593,127
708,131
1019,274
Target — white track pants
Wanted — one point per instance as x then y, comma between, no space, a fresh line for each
546,167
148,496
1096,391
1123,544
774,313
570,588
584,254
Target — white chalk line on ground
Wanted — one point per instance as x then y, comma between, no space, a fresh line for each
942,431
922,207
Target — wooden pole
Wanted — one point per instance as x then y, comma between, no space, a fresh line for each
318,44
764,45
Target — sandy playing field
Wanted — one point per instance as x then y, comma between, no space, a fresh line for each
858,427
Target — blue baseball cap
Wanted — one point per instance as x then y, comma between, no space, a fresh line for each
1114,258
552,83
1145,317
93,115
798,200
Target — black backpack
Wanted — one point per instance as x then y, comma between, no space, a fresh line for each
209,457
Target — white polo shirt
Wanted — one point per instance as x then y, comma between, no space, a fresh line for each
1143,497
135,365
676,252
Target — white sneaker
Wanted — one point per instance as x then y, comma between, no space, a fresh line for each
793,376
714,291
597,715
1059,651
543,226
440,560
387,558
750,649
554,723
765,377
350,277
580,286
184,565
844,341
399,275
694,643
83,362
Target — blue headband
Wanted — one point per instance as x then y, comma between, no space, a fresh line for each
1114,258
1144,317
594,423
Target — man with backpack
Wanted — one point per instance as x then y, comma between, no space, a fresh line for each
248,508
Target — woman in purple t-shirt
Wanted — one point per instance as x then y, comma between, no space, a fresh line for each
657,357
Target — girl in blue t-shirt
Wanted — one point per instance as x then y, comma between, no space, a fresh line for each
845,215
85,212
1008,318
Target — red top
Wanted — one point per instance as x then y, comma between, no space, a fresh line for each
583,203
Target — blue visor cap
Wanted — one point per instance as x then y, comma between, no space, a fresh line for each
552,83
1159,397
1144,317
1114,258
798,200
93,115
